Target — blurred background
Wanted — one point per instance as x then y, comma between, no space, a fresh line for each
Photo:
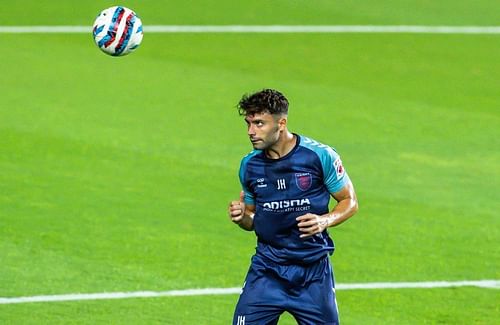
115,173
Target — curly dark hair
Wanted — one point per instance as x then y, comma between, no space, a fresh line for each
266,100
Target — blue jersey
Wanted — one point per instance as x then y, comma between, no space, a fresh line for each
286,188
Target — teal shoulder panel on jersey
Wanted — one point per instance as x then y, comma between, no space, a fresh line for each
249,197
334,174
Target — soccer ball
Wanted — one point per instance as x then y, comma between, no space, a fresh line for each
117,31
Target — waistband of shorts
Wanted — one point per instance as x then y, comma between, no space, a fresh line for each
270,261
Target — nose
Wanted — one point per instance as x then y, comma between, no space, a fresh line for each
250,130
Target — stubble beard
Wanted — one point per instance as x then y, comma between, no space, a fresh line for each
267,144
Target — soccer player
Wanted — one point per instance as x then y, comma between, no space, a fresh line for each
287,183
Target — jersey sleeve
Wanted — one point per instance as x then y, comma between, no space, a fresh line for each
334,174
249,196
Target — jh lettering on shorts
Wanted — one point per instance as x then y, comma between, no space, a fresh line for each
241,320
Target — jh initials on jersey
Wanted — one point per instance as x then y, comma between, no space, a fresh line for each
281,185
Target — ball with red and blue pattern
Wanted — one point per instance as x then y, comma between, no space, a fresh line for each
117,31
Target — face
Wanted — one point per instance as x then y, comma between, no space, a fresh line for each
264,129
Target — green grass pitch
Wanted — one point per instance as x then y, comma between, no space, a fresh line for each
115,173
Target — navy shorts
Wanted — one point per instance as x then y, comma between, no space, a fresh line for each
305,291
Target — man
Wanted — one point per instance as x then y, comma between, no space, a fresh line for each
287,183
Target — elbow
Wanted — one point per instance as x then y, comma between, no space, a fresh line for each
355,205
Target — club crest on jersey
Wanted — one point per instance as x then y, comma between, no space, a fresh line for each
339,169
303,181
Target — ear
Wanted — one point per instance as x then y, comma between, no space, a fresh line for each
282,123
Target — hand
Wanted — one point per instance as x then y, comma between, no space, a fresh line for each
311,224
237,209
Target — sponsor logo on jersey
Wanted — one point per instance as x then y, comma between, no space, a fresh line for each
303,180
287,205
261,182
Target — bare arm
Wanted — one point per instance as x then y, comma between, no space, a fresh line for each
347,205
241,213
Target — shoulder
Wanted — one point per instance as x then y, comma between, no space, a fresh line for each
248,157
326,155
321,150
334,173
244,164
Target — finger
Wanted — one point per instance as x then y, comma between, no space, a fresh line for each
237,218
308,233
309,230
235,212
307,221
235,203
242,196
236,206
305,217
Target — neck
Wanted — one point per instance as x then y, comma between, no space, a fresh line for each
285,144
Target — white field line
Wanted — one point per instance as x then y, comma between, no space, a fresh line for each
493,284
271,29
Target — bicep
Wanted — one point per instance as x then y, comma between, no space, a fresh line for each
347,192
